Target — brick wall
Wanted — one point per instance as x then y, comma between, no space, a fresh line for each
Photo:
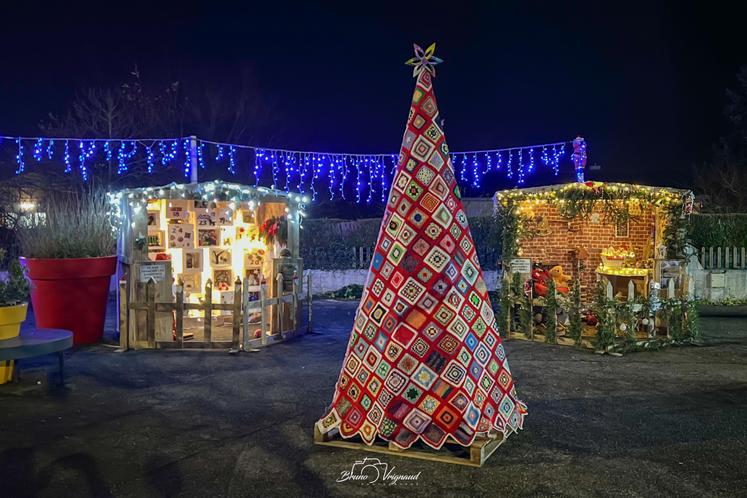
558,236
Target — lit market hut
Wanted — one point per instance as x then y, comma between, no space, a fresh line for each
214,249
599,263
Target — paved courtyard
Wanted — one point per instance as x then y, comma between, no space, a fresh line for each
170,423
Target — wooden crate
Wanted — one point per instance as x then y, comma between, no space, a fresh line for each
474,455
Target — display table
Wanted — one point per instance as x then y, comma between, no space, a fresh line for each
620,279
37,342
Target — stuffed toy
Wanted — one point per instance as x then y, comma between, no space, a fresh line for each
541,280
561,279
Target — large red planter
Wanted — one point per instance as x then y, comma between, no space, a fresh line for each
71,294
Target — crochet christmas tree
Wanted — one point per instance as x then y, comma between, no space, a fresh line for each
424,360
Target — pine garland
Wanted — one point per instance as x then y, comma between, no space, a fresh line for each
576,326
551,307
603,308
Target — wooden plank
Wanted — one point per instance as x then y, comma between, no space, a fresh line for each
236,317
702,257
218,345
744,261
124,329
263,314
208,320
718,258
473,456
150,320
179,318
710,258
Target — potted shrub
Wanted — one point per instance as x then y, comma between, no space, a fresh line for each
14,293
70,258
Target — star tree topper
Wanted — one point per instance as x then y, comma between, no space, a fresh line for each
424,60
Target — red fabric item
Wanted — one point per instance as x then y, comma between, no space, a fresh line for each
424,360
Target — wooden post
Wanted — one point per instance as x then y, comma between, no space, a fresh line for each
734,263
179,318
150,321
208,322
244,306
309,299
710,258
702,257
124,329
281,304
718,257
744,263
294,308
236,318
263,313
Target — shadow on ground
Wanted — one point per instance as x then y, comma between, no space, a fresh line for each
169,423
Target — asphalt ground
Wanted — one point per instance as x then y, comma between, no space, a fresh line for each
170,423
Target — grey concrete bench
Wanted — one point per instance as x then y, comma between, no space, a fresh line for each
37,342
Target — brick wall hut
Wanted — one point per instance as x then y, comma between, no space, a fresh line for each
572,224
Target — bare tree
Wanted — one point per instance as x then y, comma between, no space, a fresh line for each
723,181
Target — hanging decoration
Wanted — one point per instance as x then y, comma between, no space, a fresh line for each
363,177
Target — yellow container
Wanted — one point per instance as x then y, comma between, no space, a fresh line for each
11,318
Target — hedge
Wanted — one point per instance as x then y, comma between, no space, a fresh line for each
327,244
718,230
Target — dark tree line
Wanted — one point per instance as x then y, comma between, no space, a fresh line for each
723,180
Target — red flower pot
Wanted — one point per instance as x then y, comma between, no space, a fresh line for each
71,294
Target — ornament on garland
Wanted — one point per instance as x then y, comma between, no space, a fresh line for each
274,228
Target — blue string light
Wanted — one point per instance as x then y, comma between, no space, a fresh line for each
258,165
19,157
370,175
509,170
531,161
67,159
187,149
150,158
201,155
108,152
232,160
168,152
38,152
50,150
86,151
123,156
475,172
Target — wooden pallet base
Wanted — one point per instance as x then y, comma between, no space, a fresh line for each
473,456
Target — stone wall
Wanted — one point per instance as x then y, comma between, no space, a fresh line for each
327,281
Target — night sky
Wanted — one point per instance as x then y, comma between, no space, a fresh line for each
643,83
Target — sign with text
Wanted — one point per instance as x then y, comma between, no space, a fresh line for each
154,270
521,265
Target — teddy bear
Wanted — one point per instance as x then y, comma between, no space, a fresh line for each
561,279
